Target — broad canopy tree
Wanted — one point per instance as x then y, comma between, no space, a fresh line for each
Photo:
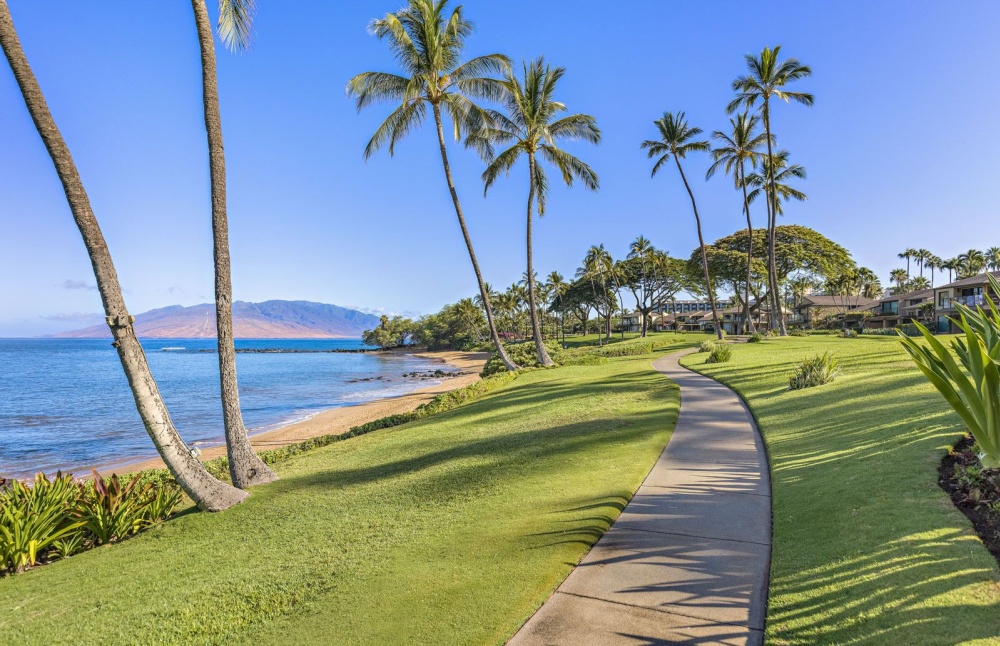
651,276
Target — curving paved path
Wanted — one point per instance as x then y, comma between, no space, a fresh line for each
687,561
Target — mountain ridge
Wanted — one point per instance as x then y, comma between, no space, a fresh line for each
274,319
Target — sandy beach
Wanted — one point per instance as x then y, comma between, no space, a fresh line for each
340,420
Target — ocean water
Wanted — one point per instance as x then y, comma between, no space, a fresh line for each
65,403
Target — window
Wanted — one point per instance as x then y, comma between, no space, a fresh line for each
892,307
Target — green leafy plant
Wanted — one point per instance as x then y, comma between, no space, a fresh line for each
706,346
756,337
814,371
721,353
847,333
971,385
523,354
35,517
798,333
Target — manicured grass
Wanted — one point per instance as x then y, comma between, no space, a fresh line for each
867,548
450,530
581,341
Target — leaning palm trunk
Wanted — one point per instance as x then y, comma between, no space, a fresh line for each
501,352
245,467
704,255
207,492
748,320
536,332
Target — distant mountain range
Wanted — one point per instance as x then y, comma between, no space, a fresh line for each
267,320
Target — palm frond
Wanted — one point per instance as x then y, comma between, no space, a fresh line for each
369,88
397,125
571,167
236,23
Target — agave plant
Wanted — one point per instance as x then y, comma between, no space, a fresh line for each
970,384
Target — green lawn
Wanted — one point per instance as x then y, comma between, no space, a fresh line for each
451,530
867,548
581,341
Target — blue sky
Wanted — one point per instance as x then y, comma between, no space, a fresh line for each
898,147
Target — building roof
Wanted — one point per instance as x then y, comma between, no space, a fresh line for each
844,302
979,279
920,294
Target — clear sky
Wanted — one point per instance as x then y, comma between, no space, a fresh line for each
899,146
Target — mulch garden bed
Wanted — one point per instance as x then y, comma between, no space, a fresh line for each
975,492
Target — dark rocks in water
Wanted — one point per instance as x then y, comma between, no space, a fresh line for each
433,374
363,379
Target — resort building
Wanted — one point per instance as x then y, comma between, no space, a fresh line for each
687,306
900,309
970,292
817,310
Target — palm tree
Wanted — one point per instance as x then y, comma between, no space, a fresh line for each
733,153
776,172
675,143
908,255
972,262
934,262
428,45
951,265
598,267
923,255
766,79
993,258
557,287
235,16
207,492
918,283
530,128
868,283
898,276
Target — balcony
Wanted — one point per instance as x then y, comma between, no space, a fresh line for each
977,300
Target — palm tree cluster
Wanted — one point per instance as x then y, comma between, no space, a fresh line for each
528,121
749,144
964,265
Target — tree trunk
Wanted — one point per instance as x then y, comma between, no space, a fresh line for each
777,316
536,332
704,254
207,492
245,467
508,364
746,209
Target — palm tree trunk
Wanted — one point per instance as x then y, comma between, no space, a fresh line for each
777,316
245,467
704,254
207,492
543,355
746,209
501,352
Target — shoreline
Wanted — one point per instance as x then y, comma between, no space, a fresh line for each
332,421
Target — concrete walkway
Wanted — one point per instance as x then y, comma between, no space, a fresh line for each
687,561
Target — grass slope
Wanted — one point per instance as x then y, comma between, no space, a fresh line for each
867,549
452,529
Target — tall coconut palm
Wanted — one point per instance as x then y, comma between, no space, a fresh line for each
530,127
598,268
951,265
558,287
732,154
235,17
972,262
993,258
923,255
428,44
207,492
909,254
677,139
934,262
899,277
766,78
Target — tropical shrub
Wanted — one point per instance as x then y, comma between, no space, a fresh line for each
970,385
798,333
706,346
720,354
523,354
847,333
756,337
814,371
110,512
33,518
